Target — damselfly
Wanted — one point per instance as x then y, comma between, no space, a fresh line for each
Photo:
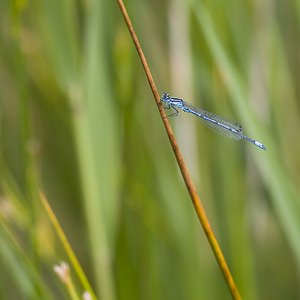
217,124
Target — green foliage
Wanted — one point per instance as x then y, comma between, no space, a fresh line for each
78,120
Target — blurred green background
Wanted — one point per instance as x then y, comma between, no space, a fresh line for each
78,120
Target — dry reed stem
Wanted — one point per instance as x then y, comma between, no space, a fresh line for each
183,168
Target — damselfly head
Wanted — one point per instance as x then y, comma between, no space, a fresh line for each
165,97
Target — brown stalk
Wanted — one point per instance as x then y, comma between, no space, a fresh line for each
183,168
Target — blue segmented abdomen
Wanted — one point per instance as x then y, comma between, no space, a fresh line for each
217,124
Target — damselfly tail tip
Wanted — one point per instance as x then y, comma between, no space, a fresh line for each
260,145
256,143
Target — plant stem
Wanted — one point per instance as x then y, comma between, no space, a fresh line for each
183,168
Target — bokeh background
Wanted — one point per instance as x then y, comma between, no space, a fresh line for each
78,120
